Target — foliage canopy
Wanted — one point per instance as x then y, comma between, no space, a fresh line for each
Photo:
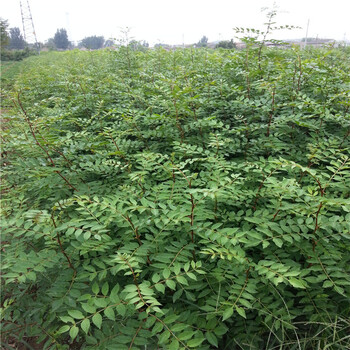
203,42
191,199
17,41
93,42
60,39
4,37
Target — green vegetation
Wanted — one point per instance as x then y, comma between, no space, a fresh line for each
16,55
93,42
4,37
190,199
17,41
13,46
226,44
9,72
203,42
60,39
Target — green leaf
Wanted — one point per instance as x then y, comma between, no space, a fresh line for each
164,337
166,273
114,294
109,312
170,319
157,328
186,335
339,290
91,340
220,330
150,322
182,280
97,320
171,284
105,288
31,276
193,343
278,242
177,295
255,220
227,313
327,284
211,337
155,278
177,268
95,288
88,308
66,319
309,221
178,327
100,302
74,332
296,283
63,329
85,325
121,309
174,345
241,311
192,276
265,244
160,287
76,314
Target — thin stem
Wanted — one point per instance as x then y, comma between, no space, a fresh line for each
61,247
38,143
272,111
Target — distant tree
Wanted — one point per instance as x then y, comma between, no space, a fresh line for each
138,45
17,41
316,39
61,39
50,44
308,39
93,42
3,32
203,42
164,46
226,44
109,43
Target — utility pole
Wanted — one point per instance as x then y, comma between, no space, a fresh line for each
28,24
307,32
69,32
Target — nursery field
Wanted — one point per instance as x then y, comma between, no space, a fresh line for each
187,199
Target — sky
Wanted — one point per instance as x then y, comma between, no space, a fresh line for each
179,21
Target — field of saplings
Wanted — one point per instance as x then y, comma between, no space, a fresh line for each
186,199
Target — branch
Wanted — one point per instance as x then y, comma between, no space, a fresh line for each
38,143
61,247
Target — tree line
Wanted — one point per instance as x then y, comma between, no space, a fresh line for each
13,39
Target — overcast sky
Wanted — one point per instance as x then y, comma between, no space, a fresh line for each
178,21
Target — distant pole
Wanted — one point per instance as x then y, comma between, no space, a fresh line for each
68,26
307,32
183,40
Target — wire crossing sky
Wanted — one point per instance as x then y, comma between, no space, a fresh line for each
180,21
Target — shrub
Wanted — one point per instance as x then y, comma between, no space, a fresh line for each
16,55
191,199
